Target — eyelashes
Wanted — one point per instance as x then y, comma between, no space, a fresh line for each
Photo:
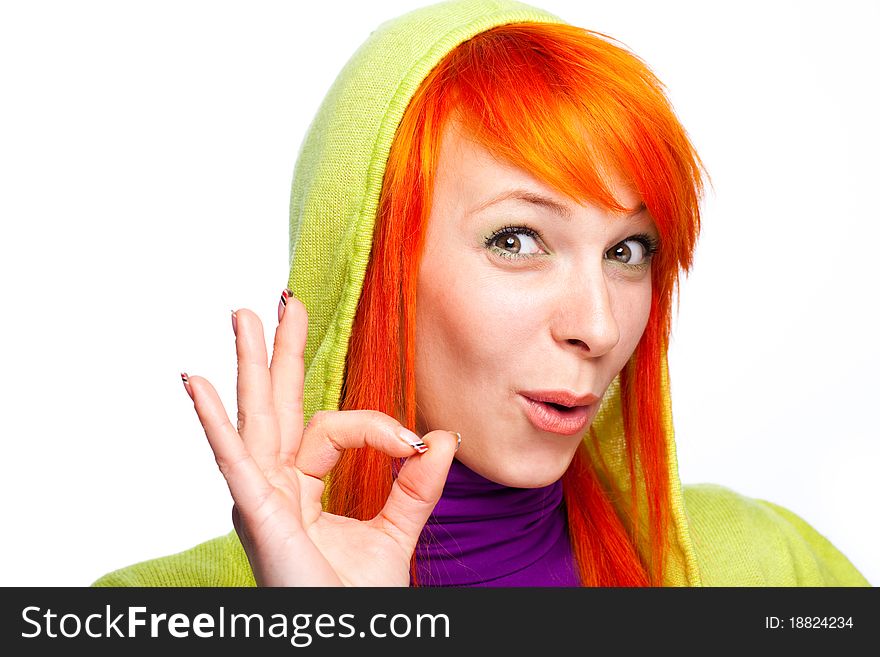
648,243
511,230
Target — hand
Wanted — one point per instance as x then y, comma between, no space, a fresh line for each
274,468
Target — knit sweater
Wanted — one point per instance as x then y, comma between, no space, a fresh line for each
731,540
717,537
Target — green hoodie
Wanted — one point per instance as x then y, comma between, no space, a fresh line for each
718,537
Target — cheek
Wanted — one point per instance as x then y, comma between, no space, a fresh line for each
471,331
467,319
633,311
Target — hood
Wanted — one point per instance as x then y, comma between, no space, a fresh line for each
334,200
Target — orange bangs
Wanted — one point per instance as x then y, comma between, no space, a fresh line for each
573,109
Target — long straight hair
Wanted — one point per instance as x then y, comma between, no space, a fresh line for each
569,105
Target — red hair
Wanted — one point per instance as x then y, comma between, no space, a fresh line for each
569,106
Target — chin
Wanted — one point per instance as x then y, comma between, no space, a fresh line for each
527,474
532,482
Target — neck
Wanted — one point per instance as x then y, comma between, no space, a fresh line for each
482,533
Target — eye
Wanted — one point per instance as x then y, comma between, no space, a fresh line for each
514,242
634,251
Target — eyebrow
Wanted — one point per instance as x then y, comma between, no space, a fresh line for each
542,201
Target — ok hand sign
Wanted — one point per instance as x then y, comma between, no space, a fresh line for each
274,469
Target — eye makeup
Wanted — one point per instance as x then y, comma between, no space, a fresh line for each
512,230
649,243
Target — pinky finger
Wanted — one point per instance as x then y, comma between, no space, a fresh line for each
247,483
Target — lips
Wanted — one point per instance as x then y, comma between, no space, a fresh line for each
547,411
561,397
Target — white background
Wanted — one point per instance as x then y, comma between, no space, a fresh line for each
146,154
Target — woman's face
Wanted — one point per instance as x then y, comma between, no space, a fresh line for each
556,302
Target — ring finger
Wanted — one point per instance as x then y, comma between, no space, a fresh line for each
257,424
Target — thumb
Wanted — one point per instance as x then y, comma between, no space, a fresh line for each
417,490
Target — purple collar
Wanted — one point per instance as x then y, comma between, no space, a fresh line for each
485,534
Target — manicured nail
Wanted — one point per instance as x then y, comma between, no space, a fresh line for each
234,324
413,440
458,444
185,378
285,295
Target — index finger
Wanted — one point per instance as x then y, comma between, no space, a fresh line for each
330,432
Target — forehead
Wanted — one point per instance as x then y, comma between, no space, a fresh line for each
473,178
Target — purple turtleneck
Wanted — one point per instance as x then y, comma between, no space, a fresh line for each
485,534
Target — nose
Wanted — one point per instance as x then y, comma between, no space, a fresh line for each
584,318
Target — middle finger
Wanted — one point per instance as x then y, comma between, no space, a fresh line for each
287,371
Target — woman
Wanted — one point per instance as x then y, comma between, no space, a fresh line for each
488,218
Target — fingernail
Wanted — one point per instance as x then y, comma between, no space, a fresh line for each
234,324
458,444
413,440
285,295
185,378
